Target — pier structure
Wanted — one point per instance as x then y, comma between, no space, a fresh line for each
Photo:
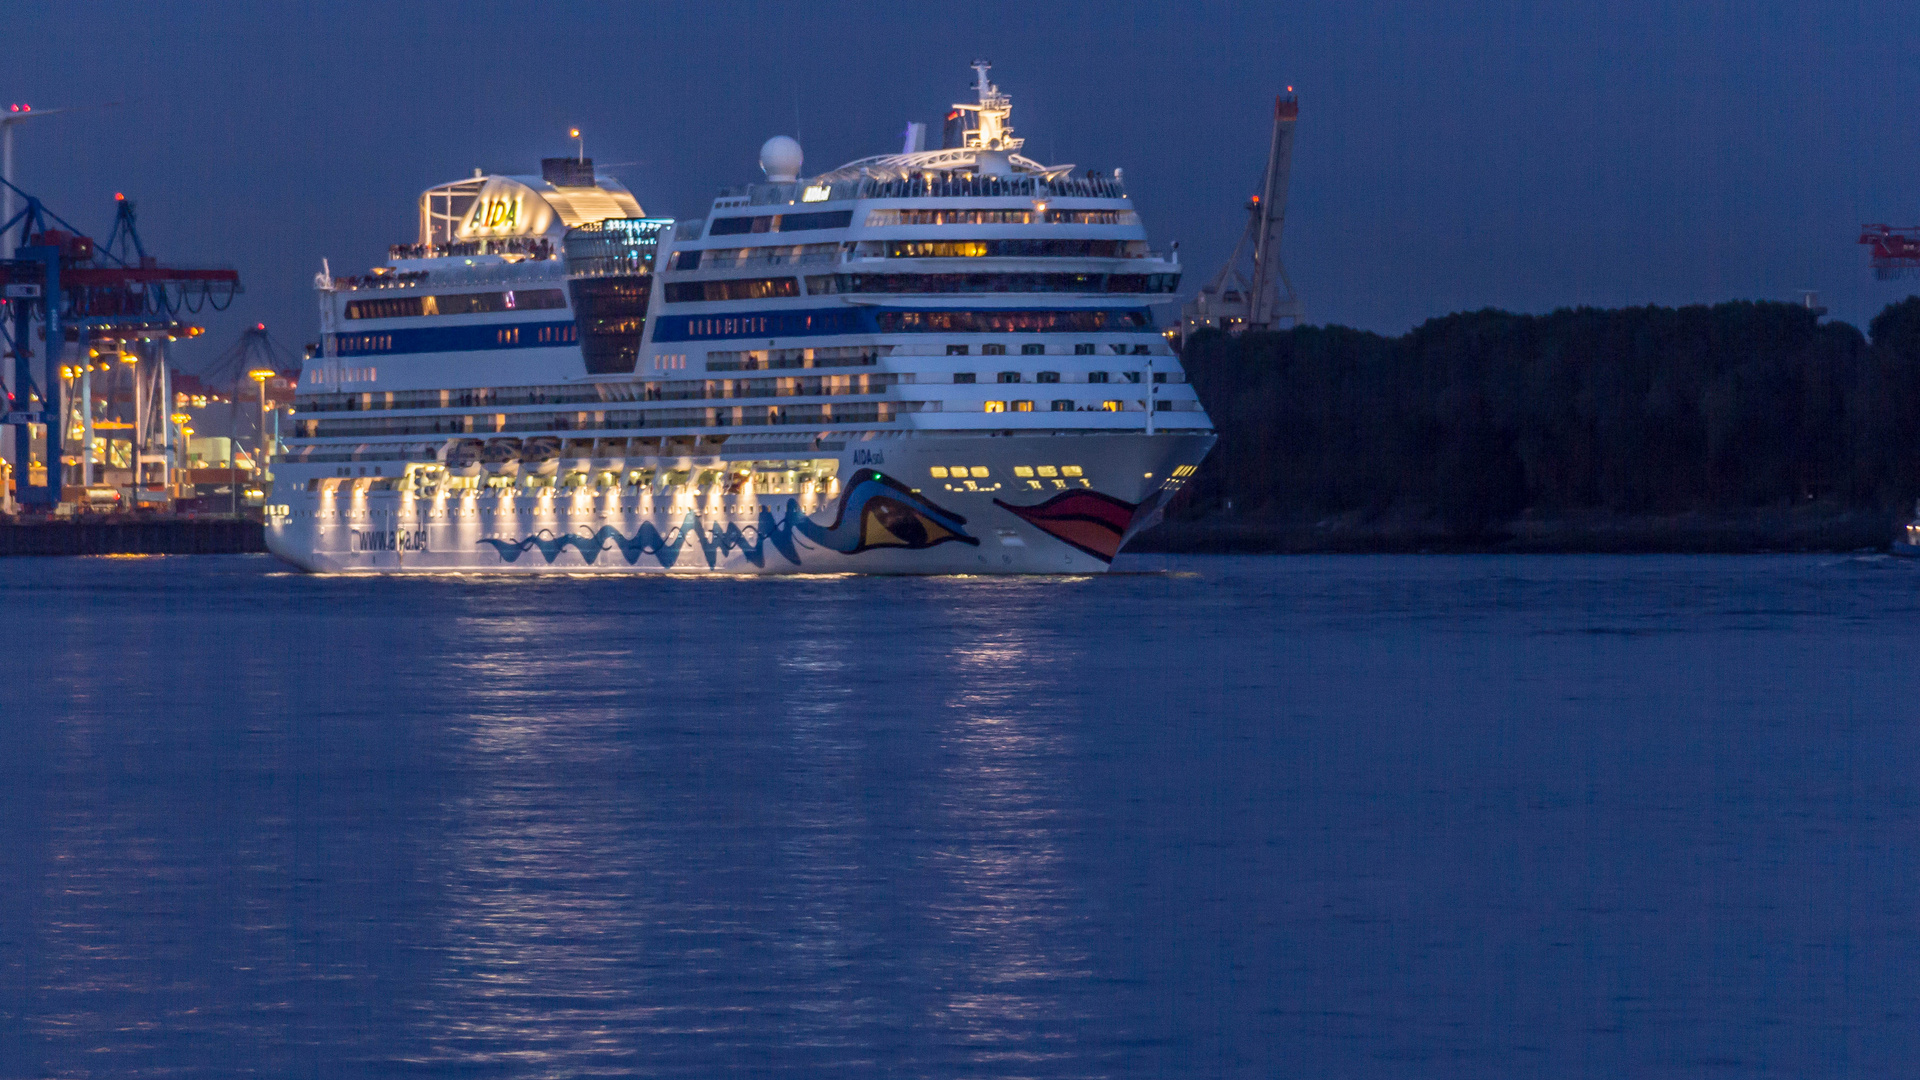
96,312
1252,292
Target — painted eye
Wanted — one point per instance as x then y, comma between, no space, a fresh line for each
888,523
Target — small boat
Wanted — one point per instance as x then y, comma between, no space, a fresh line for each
1907,540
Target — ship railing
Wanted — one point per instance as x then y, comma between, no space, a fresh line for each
533,247
987,187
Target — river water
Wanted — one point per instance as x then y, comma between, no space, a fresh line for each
1244,817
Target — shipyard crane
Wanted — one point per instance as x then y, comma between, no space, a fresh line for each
1256,296
95,305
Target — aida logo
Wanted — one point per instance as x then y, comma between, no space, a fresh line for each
496,214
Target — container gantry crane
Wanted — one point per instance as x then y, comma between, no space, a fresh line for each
113,295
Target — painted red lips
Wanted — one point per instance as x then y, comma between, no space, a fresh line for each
1087,520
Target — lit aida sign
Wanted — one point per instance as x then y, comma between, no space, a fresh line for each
506,207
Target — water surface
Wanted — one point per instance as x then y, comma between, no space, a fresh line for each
1246,817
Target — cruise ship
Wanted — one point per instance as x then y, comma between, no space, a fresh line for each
925,362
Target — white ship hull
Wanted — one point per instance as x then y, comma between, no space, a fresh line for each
885,513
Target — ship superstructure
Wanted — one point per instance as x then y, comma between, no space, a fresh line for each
925,362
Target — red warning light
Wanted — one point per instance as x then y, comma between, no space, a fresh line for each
259,326
118,197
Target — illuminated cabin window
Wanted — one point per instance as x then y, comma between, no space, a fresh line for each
1023,406
1023,470
1077,321
1049,470
1070,470
1006,249
1018,282
939,472
400,307
1110,406
996,406
979,472
681,292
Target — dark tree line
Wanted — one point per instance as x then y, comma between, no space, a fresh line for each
1473,418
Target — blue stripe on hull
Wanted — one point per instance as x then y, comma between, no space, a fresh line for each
540,335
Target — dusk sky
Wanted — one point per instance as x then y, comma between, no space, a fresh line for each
1449,156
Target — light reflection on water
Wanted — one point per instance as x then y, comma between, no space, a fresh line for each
1356,817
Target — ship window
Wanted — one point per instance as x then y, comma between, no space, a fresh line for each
825,219
1119,350
1070,470
980,472
957,350
1159,376
1096,376
939,472
1082,320
1023,470
1140,350
995,406
963,376
1022,406
1049,470
680,292
1047,376
734,226
983,282
1009,377
1110,406
1083,349
1132,376
1033,350
993,350
687,260
959,470
1005,249
1062,405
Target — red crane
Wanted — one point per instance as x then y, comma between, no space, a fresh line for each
98,295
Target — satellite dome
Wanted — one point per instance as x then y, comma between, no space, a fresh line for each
780,159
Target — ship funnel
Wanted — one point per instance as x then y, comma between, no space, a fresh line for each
567,171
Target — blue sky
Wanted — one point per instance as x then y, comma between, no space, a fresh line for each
1449,156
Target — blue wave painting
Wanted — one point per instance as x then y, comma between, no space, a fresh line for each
875,511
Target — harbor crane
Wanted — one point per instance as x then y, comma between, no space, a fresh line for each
91,303
1252,292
